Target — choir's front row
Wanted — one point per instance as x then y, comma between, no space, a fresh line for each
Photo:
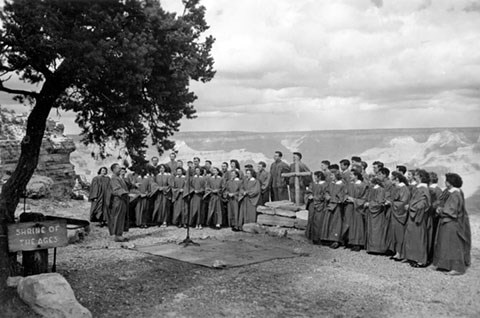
415,223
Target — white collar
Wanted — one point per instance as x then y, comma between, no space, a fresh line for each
454,190
434,185
358,182
376,186
195,176
422,185
401,184
321,182
413,182
339,182
236,179
251,179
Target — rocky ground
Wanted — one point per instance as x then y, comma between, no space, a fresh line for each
114,280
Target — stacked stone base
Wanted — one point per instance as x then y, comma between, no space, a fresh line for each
283,214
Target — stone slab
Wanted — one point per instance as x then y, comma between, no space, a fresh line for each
302,214
285,213
300,224
275,220
265,210
276,204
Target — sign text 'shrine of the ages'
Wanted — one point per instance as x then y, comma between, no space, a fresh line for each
30,236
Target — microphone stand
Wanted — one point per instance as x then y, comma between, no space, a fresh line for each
188,241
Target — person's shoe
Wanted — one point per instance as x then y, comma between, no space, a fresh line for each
217,227
200,227
120,239
164,224
335,245
356,248
453,273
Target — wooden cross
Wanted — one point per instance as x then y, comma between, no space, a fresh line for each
297,174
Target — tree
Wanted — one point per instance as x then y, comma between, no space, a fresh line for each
123,66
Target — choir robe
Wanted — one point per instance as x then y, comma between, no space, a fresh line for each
303,181
390,191
346,176
316,210
332,226
354,214
453,241
278,184
264,178
117,216
376,221
197,189
180,213
433,218
145,190
161,210
415,241
232,194
213,190
249,202
99,195
398,218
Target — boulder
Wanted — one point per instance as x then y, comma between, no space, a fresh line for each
275,220
265,210
277,231
285,213
277,204
302,214
76,235
39,187
50,295
254,228
300,224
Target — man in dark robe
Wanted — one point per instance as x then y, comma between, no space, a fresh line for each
278,184
383,175
117,215
332,230
354,223
304,181
376,221
316,205
344,168
433,217
264,177
399,214
99,193
172,164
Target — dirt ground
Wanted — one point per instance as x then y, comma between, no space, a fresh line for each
116,281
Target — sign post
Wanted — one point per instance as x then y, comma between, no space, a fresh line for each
297,174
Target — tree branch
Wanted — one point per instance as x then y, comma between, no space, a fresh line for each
17,91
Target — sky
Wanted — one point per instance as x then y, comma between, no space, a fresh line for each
286,65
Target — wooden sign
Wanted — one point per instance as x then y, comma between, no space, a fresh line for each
31,236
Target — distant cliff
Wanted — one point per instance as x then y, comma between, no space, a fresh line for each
54,161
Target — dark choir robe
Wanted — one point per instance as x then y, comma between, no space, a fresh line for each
453,241
376,221
249,202
213,190
346,176
332,225
354,214
161,209
390,190
433,218
117,216
180,213
197,189
232,194
264,178
145,191
398,218
316,210
412,187
415,242
278,184
303,181
99,195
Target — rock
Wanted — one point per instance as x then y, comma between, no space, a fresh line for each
39,187
300,224
300,251
289,207
265,210
284,213
302,214
277,231
14,281
276,204
75,236
254,228
50,295
275,220
219,264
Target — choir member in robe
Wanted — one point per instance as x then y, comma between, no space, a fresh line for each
399,215
264,177
376,220
377,165
99,195
415,249
248,204
224,170
401,169
412,183
453,241
213,190
161,210
332,229
145,189
383,175
316,205
153,165
172,164
303,181
432,221
324,168
356,160
233,187
344,168
354,214
226,177
235,165
177,185
366,177
197,185
117,214
278,184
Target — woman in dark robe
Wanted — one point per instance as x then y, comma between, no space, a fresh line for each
235,165
161,210
117,218
144,185
316,204
180,212
232,194
414,248
332,230
251,194
376,220
99,193
213,190
357,192
197,189
399,214
453,241
432,221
